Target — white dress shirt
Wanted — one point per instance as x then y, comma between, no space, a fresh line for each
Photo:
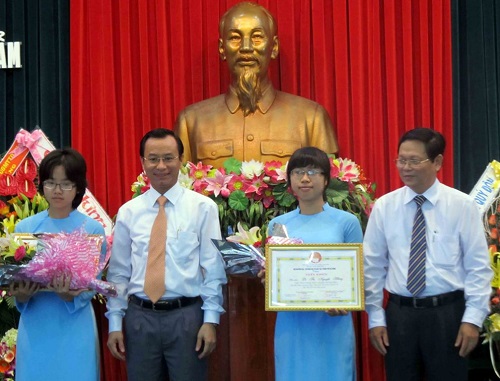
193,266
457,254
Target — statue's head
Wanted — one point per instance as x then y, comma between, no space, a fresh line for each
248,40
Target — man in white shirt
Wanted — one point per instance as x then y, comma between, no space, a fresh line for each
430,330
176,333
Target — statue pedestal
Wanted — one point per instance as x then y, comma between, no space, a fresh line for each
245,340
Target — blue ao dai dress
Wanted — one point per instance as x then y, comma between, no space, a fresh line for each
57,340
313,345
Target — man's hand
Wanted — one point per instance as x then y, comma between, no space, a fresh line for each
116,345
467,338
379,339
207,338
23,290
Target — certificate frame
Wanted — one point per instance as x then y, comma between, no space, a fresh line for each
314,277
32,239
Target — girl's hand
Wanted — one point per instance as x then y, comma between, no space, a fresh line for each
23,290
262,276
60,285
336,312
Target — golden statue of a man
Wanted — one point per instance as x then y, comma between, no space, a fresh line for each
252,120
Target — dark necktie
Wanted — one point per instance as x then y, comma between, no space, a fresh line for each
154,280
416,267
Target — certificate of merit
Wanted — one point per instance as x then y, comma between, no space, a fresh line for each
314,277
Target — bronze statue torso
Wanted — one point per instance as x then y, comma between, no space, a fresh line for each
215,129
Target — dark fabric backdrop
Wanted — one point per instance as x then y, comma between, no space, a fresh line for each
476,98
38,93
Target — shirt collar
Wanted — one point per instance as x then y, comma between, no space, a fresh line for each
264,104
173,194
430,194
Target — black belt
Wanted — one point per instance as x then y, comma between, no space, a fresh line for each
163,305
428,301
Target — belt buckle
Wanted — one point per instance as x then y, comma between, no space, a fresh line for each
416,304
435,301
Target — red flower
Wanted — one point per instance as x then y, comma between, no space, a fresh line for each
8,185
255,186
200,186
4,366
4,208
236,183
271,169
268,198
9,356
20,253
26,187
27,170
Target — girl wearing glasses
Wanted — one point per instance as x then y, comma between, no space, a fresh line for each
57,336
315,345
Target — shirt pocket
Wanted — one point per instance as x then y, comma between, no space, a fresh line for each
215,149
446,250
183,247
279,148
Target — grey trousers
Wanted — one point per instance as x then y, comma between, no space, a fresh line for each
158,343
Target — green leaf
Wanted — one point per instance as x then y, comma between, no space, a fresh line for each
287,200
238,200
18,210
282,196
11,301
233,165
337,192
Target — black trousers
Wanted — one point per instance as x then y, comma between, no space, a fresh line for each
422,343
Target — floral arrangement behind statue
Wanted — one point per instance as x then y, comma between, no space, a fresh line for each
252,193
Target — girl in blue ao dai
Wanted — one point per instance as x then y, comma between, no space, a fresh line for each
57,336
315,345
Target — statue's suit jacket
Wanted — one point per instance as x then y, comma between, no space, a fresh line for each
215,129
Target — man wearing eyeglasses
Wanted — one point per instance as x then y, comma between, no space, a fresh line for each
425,245
167,272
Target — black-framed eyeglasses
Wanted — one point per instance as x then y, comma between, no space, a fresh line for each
412,163
155,160
300,172
65,185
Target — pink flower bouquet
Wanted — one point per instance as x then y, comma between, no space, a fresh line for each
77,254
